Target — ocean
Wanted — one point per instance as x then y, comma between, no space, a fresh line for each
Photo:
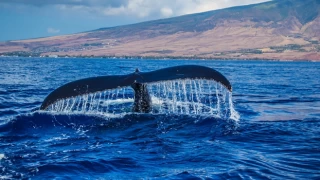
267,128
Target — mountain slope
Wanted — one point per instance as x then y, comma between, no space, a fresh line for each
281,29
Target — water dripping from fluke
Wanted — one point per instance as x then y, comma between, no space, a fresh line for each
187,97
185,90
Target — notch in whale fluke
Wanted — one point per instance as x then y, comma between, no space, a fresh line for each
102,83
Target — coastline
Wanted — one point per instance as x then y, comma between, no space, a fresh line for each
166,58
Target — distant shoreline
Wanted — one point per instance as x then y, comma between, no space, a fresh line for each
164,58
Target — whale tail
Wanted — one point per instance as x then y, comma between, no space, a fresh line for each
137,80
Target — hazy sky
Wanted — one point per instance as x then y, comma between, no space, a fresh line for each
23,19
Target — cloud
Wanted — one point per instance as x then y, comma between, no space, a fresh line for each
166,12
143,9
52,30
89,3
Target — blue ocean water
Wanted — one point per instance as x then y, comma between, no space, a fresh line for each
276,137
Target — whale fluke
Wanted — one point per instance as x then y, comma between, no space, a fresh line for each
137,80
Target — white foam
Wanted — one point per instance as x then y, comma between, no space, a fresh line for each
6,177
56,139
2,156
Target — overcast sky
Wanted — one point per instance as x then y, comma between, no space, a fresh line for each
23,19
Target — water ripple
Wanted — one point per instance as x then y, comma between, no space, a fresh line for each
277,136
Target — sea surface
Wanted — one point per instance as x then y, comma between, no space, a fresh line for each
275,136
